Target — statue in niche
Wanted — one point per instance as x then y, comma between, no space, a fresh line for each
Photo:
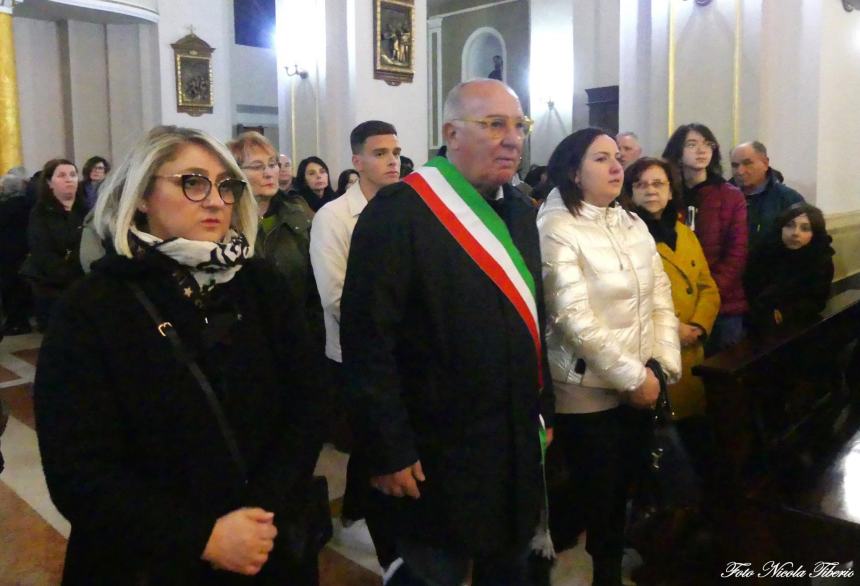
496,73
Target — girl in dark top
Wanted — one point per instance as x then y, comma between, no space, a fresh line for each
788,278
312,182
345,180
54,236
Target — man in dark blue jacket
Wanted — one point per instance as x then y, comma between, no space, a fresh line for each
767,196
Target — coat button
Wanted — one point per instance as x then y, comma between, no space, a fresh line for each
689,290
693,263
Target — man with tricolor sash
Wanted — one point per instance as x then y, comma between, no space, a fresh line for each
443,349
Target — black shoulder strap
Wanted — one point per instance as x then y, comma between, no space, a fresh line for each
166,329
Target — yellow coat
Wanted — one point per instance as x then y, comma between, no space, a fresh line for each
697,301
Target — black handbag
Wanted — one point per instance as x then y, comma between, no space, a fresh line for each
670,479
307,533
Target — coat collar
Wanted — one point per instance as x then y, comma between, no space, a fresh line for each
355,200
613,215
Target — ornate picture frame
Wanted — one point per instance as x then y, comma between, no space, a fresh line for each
193,57
394,41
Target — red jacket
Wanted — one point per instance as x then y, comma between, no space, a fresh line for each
721,226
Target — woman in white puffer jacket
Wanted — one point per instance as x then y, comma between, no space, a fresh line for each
609,310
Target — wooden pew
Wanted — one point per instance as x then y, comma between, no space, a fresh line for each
788,451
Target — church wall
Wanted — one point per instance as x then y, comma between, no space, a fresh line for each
509,20
595,51
838,174
216,28
126,89
254,83
40,92
88,90
405,106
551,75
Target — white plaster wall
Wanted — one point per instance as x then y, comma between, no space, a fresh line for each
254,76
596,46
838,188
254,81
551,75
212,21
749,116
125,89
404,106
789,116
87,62
339,84
40,92
704,67
333,41
639,109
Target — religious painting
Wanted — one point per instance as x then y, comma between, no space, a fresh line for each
193,75
394,41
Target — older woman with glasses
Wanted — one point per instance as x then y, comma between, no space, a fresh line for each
177,422
284,233
717,211
655,198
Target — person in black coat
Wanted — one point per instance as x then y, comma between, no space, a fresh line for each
441,368
787,279
14,290
313,182
159,489
54,236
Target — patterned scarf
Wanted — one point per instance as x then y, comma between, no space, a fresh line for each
205,264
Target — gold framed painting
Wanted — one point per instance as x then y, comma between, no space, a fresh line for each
193,58
394,41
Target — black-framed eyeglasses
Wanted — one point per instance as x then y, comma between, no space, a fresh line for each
197,187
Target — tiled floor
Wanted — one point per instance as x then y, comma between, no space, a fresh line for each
33,534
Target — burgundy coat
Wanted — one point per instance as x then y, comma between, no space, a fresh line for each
721,226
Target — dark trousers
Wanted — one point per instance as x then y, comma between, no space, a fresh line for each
43,306
605,452
432,566
357,500
17,299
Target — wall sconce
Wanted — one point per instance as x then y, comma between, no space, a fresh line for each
703,2
850,5
550,105
295,70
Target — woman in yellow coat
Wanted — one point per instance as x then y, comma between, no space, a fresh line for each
651,193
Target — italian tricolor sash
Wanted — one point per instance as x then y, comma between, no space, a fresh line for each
483,235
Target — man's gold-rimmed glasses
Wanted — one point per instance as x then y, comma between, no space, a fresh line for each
499,126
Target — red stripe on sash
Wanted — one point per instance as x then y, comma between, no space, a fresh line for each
481,257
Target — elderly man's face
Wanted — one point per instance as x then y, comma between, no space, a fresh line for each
487,156
749,167
629,150
285,176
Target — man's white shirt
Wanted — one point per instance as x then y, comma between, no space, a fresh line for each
331,232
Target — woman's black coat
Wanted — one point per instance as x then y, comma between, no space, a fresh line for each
132,454
54,236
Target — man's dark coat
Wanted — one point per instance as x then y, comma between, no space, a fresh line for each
442,369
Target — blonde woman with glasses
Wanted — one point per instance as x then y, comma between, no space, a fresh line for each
177,423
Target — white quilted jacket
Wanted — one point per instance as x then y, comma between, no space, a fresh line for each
608,301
